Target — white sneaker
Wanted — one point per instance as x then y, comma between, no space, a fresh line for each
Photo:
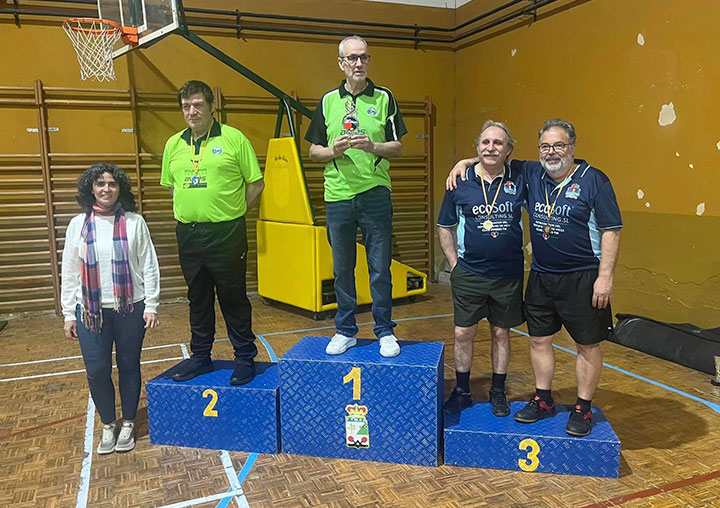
339,344
107,443
126,438
389,346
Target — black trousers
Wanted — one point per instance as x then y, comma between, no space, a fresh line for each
213,257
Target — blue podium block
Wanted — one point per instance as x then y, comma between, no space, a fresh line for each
206,412
360,405
477,438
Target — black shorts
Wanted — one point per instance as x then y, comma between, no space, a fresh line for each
476,297
556,299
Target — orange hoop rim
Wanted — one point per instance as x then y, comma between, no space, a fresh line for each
129,34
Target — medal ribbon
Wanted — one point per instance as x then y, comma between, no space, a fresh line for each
547,198
196,163
497,193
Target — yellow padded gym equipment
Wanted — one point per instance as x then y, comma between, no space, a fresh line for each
293,254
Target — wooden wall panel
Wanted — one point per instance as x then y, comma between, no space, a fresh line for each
129,127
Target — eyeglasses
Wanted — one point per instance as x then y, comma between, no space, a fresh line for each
354,58
557,147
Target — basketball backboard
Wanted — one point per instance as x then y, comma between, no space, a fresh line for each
152,18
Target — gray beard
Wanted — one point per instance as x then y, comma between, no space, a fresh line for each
556,169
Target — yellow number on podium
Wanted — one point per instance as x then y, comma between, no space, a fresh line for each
210,408
354,376
532,462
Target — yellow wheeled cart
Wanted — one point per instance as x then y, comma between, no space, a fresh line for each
294,262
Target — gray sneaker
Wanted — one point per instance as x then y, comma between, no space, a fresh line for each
126,438
339,344
107,442
389,346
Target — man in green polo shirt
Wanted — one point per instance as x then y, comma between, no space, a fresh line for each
215,178
356,128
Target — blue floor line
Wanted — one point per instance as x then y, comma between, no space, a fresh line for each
715,407
271,353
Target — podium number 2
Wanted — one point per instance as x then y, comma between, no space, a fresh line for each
210,408
354,376
532,462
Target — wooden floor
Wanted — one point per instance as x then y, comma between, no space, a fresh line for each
670,442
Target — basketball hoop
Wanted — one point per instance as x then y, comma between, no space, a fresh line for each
94,40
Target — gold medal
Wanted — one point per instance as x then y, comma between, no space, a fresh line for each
488,224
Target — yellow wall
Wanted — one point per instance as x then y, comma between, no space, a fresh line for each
586,65
583,64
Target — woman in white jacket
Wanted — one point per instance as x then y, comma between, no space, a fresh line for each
110,292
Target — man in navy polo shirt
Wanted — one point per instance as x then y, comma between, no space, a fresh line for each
575,227
487,268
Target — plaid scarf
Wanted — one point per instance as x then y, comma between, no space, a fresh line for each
90,272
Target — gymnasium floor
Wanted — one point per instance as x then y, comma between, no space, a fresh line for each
666,416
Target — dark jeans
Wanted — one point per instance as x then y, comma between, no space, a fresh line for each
213,257
372,211
128,332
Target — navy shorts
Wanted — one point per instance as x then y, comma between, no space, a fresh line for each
476,297
553,300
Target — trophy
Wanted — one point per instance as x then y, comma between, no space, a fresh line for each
350,120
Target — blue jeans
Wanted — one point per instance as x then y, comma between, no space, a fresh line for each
128,332
372,211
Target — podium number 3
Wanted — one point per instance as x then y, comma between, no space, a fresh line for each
354,376
210,408
532,462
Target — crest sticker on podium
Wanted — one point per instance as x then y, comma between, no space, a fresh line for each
357,432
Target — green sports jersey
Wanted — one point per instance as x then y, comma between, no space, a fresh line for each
215,192
373,112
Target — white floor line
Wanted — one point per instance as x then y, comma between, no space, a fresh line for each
201,500
63,358
232,475
84,482
36,376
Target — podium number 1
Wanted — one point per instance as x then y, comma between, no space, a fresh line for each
354,376
210,408
532,462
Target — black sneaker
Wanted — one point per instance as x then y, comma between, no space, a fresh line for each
500,406
459,399
243,373
191,368
535,410
580,422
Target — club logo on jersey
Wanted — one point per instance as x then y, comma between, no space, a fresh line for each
573,192
510,188
372,111
494,234
217,150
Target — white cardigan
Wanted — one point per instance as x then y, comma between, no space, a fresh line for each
143,262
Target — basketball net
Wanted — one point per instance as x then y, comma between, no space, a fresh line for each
94,40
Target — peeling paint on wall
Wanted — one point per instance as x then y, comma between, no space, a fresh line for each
640,194
718,145
641,39
691,166
647,204
700,209
513,52
667,114
677,154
